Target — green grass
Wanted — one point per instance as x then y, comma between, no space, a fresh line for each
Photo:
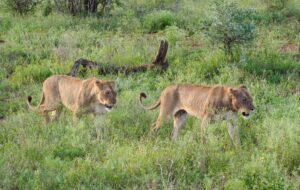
116,151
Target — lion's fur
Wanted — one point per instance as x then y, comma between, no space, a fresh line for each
203,102
79,96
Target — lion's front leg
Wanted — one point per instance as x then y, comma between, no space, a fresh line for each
233,129
76,117
204,124
234,133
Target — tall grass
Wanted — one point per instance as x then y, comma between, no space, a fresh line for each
116,151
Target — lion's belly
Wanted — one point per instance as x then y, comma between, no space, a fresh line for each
193,111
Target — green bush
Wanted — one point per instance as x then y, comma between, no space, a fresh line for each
230,26
158,20
22,6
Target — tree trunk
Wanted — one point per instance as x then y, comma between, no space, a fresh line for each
159,62
90,6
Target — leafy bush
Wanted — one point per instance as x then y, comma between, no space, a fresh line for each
22,6
159,20
230,26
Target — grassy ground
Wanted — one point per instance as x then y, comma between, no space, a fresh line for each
116,151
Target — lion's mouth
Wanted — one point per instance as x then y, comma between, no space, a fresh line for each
108,107
246,115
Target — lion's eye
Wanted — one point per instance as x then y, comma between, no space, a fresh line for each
244,100
107,92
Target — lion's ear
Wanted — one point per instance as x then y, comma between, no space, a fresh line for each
99,84
244,87
112,83
232,91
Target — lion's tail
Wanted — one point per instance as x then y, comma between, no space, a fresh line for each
143,95
34,108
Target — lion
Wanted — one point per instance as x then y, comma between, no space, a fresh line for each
80,96
207,103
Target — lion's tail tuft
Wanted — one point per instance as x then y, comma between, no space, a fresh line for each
143,95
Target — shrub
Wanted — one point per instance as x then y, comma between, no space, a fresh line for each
22,6
158,20
230,25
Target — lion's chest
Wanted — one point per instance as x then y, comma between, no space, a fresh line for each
224,115
95,108
99,109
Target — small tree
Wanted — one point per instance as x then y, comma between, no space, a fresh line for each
230,25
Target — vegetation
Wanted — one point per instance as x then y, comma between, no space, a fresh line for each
231,26
116,151
22,6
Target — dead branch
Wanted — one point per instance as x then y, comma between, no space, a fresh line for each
159,62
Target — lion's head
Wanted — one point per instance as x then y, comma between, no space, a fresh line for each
242,101
105,93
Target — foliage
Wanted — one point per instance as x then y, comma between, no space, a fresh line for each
83,7
22,6
230,26
116,150
158,20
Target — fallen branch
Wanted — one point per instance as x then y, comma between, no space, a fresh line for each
159,62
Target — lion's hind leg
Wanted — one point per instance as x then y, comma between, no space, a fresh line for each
179,120
56,113
45,113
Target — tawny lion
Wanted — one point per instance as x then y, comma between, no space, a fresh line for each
203,102
80,96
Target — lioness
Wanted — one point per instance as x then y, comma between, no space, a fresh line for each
80,96
204,102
